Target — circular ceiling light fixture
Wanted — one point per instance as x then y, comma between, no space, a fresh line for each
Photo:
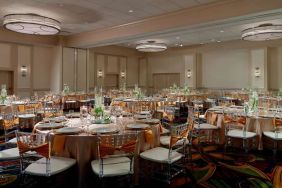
31,24
151,46
262,32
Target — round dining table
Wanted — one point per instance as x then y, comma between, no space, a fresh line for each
78,139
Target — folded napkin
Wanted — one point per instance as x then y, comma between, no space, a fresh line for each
213,118
106,149
21,108
149,136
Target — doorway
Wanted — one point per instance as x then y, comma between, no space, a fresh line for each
165,80
7,78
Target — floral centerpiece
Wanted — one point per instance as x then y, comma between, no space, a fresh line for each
253,102
280,92
186,90
98,110
66,89
174,88
137,92
3,94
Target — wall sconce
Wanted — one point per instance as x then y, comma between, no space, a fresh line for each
189,73
122,74
23,71
100,74
257,72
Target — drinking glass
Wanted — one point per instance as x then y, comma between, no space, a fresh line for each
71,113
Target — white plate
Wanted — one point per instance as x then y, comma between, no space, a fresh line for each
145,113
69,130
104,130
140,116
137,126
73,115
49,125
150,121
26,116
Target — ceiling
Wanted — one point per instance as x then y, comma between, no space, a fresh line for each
84,15
78,16
214,32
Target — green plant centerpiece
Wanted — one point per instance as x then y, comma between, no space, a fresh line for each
186,90
280,92
253,102
3,94
66,90
174,88
137,92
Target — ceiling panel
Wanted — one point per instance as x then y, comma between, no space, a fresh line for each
73,14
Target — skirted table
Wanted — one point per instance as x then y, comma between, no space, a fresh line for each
83,146
258,124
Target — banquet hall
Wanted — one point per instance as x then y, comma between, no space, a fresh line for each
151,93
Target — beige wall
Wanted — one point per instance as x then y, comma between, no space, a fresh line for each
42,58
38,61
114,59
5,54
222,65
225,69
56,69
226,65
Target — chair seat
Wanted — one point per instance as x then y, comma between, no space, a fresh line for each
164,131
206,126
165,140
272,135
240,134
112,166
13,141
160,155
70,101
202,116
8,154
57,165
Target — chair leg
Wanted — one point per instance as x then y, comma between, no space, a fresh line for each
102,182
246,145
275,150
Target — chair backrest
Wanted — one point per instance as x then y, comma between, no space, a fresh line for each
10,124
234,121
179,134
34,145
277,122
193,114
117,145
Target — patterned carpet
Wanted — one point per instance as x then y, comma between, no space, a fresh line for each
211,168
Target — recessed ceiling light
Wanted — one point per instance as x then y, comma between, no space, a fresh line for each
130,11
222,31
